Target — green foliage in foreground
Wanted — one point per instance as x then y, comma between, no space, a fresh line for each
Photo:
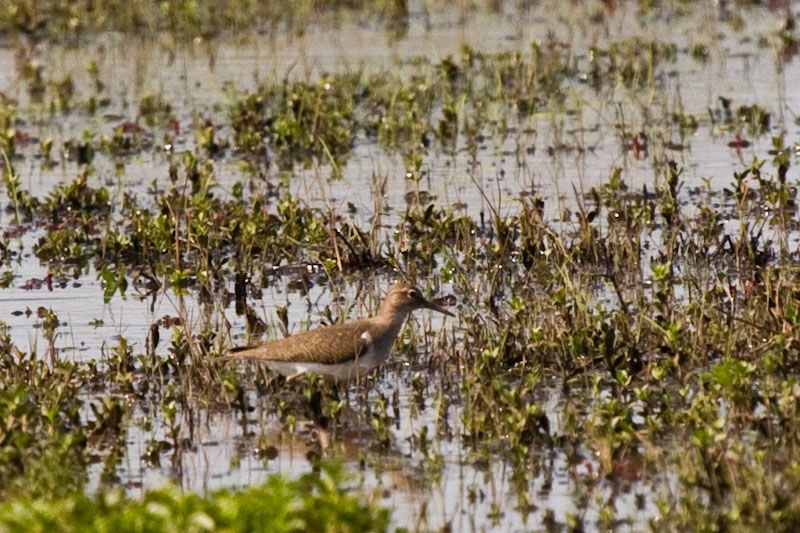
315,502
42,436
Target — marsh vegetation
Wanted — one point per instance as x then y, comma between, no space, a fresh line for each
608,191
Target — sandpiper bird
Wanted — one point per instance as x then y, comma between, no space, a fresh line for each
342,351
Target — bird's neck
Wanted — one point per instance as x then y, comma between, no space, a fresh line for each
390,319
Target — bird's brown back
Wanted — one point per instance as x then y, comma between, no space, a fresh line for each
327,345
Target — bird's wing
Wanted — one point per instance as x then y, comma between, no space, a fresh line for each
327,345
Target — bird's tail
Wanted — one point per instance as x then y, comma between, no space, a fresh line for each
239,353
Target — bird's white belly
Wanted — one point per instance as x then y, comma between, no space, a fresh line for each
348,370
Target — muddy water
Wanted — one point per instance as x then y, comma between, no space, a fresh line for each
464,493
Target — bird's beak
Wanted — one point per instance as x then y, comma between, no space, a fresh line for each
437,304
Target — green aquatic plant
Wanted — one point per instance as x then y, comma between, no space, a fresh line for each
42,440
314,502
299,122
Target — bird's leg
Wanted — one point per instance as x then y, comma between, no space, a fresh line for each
315,403
268,379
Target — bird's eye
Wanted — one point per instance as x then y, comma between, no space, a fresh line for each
413,294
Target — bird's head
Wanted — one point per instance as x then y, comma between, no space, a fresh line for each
405,298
